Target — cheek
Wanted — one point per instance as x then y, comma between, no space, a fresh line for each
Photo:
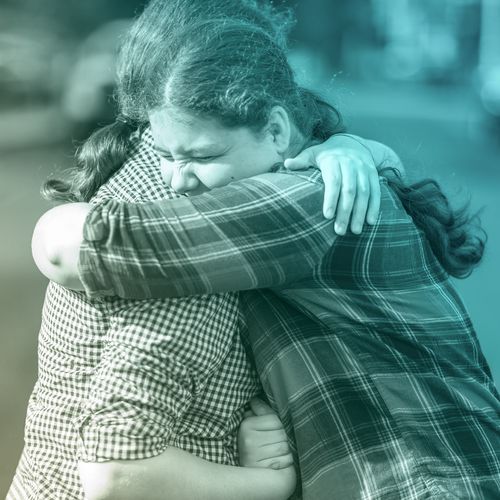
166,171
216,175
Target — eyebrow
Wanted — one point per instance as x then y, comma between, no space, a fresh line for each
160,150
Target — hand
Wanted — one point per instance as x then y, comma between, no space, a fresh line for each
262,441
352,189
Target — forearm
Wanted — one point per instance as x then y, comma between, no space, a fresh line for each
265,233
178,475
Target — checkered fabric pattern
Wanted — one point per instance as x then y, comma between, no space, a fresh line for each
125,379
363,344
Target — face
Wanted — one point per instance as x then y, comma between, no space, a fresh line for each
198,154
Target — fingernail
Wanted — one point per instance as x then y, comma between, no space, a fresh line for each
340,229
329,213
356,229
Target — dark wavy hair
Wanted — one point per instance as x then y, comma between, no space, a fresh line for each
454,234
226,59
145,44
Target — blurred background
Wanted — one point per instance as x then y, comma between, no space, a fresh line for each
422,76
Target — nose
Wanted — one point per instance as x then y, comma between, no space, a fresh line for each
183,178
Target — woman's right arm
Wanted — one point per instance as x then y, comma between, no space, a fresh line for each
261,232
141,389
178,475
266,231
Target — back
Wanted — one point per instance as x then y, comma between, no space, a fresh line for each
409,375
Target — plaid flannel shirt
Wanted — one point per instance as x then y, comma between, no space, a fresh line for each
124,379
361,342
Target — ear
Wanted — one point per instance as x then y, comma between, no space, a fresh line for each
280,129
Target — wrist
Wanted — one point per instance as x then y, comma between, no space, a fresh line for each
286,480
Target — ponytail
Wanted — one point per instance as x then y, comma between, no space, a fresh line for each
102,154
456,237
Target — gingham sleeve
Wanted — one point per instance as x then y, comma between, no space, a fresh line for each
141,387
264,231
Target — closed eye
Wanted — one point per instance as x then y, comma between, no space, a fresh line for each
203,159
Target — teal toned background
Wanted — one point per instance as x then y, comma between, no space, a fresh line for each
422,76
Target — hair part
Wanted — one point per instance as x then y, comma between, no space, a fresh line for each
235,72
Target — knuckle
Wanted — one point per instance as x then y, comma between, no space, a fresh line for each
245,425
334,179
363,189
341,222
348,191
283,448
247,441
274,419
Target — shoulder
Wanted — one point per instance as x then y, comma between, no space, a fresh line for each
285,182
139,179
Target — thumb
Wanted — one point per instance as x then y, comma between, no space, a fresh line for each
260,408
301,161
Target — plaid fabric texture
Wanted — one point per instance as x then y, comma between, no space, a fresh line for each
363,345
125,379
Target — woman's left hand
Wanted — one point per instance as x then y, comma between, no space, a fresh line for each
262,441
352,189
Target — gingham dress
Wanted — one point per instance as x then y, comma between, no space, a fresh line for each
362,343
125,379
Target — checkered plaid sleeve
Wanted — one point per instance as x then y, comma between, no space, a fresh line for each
260,232
138,392
150,365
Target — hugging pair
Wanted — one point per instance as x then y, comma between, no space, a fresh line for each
358,339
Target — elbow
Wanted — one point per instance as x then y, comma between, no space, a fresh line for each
45,256
103,481
56,243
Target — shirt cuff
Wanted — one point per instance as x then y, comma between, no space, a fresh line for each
120,440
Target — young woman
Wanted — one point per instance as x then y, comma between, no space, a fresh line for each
361,341
162,379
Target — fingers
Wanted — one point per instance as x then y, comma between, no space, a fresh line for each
277,462
359,198
260,408
360,206
264,422
301,161
332,179
374,203
248,413
259,448
352,189
347,195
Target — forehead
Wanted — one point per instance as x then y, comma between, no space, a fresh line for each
177,131
181,132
